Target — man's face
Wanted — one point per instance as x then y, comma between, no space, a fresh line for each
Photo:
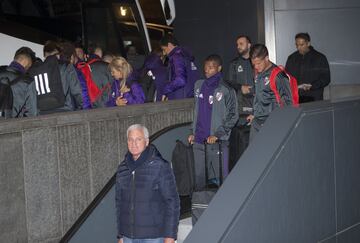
211,68
26,62
137,142
260,64
243,46
302,46
167,49
80,53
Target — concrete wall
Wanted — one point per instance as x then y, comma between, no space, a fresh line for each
51,167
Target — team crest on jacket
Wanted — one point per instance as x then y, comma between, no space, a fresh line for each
219,96
240,69
151,75
211,99
197,92
267,80
193,67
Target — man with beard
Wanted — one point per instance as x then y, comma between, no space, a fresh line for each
241,78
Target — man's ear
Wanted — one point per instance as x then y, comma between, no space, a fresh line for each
219,68
147,142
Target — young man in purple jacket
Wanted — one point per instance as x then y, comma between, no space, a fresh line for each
215,114
182,70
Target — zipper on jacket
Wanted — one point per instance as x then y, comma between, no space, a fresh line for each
132,204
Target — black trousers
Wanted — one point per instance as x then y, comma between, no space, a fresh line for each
238,142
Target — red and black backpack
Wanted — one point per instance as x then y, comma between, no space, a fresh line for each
293,86
95,92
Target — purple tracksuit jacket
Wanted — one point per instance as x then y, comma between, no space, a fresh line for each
134,96
155,68
182,74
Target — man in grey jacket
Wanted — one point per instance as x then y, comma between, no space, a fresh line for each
265,100
215,114
22,85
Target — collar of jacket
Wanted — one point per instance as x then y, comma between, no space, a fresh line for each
17,66
148,155
214,80
177,49
309,53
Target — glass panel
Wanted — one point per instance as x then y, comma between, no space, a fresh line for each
101,30
155,20
128,26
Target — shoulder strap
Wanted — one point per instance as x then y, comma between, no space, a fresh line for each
93,60
276,70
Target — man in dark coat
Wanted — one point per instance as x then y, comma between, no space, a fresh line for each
310,68
146,198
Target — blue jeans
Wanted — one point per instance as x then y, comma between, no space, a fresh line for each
157,240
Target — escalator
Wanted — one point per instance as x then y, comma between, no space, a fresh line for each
98,222
298,181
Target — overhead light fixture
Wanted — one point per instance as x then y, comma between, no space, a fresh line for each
122,11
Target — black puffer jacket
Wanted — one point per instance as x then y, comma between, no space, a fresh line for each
147,201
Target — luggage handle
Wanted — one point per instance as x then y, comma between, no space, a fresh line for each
219,142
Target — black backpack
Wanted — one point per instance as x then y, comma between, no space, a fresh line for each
183,167
6,97
6,94
47,78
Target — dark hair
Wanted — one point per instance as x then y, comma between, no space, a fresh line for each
169,38
214,58
25,51
258,51
93,47
51,47
244,36
304,36
67,50
157,50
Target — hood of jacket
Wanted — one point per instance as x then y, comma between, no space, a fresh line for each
184,51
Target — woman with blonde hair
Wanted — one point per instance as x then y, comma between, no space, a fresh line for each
124,90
